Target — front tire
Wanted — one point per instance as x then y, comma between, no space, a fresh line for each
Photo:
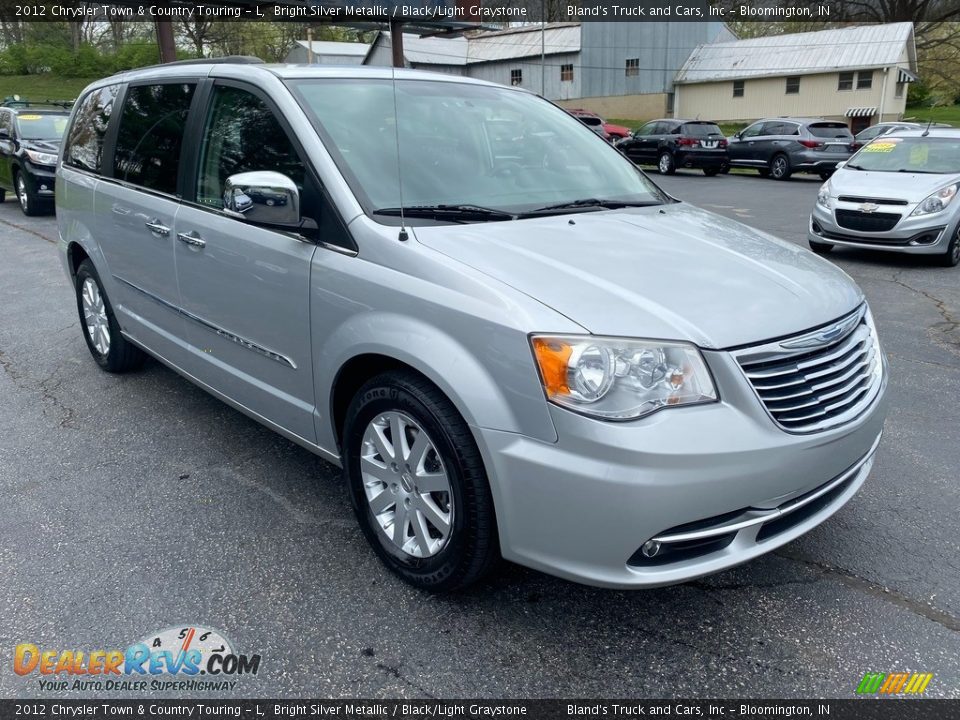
29,202
665,164
711,172
111,351
952,256
417,483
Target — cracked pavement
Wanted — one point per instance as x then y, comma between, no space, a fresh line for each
135,503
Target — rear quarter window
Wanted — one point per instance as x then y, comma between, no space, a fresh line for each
85,139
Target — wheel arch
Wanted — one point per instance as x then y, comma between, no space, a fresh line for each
371,345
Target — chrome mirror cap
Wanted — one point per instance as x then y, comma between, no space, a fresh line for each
262,196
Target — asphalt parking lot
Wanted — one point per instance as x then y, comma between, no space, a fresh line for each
136,503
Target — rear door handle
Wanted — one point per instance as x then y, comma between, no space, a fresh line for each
191,238
158,227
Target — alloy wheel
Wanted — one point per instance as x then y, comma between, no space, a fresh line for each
779,167
22,193
664,164
95,316
406,485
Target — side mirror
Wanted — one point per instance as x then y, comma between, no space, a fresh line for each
262,196
840,164
738,135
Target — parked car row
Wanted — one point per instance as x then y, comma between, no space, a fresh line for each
775,148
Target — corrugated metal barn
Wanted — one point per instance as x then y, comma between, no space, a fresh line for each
618,69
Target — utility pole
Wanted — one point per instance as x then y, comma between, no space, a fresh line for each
168,48
310,44
543,48
396,43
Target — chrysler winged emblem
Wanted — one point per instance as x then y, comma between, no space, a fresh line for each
823,336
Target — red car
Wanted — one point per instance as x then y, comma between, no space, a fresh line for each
591,118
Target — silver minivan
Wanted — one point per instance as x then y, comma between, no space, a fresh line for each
513,343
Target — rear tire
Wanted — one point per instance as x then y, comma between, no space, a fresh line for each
780,167
448,537
820,248
111,351
665,164
764,172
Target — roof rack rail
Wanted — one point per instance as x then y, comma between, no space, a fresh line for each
226,60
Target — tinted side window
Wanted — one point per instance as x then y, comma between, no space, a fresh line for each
85,142
647,129
242,135
151,132
752,131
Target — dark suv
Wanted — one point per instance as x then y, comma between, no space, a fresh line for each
673,143
779,147
29,146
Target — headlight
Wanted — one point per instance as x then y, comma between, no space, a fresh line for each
620,379
42,158
823,197
936,202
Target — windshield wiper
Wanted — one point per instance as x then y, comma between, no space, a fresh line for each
922,172
590,203
462,213
853,167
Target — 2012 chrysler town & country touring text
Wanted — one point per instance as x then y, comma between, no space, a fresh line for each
510,339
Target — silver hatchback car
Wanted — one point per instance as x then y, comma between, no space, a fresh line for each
512,342
896,194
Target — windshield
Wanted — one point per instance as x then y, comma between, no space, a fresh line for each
461,144
909,154
41,126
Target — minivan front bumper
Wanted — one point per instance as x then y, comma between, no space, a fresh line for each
716,485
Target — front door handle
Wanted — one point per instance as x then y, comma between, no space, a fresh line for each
158,227
191,238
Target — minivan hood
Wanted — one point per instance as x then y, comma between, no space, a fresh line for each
912,187
671,272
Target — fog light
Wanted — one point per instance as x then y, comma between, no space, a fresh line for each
650,548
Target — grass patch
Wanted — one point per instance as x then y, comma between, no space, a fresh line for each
38,88
945,114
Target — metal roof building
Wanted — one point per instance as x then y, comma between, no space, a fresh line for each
617,69
858,72
850,48
327,52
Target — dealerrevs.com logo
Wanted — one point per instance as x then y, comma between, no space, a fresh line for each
172,659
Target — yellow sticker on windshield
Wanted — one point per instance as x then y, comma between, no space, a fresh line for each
30,117
919,154
882,146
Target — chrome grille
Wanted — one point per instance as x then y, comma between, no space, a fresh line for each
807,388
